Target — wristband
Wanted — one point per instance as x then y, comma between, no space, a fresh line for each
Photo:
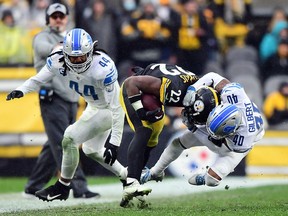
135,101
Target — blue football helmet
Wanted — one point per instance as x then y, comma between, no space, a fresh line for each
223,120
76,43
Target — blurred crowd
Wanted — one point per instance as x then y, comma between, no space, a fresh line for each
198,35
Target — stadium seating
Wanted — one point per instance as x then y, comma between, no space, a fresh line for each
273,82
242,67
252,87
246,53
213,66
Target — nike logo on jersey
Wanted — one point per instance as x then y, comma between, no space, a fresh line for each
52,197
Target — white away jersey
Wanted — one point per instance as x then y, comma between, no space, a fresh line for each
98,86
94,85
251,129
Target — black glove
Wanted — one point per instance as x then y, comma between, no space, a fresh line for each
14,94
110,153
151,116
187,119
216,141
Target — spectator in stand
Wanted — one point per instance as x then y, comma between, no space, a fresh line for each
168,12
270,41
278,14
37,14
232,22
275,107
17,44
20,11
194,32
277,64
100,24
145,35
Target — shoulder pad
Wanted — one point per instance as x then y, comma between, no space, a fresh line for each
231,86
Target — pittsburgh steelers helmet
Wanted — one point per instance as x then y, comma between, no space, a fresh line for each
206,99
223,121
76,43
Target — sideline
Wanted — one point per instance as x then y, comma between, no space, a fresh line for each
14,202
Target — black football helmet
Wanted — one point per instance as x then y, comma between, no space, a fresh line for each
206,100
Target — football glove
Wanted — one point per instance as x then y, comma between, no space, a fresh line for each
151,116
217,142
145,115
190,96
187,120
14,94
110,154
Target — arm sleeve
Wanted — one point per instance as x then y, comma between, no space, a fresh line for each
34,83
209,79
112,98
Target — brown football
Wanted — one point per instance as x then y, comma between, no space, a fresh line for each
150,102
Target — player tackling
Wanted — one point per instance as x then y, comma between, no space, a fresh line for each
169,84
232,129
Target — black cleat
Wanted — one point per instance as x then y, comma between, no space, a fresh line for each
87,195
56,191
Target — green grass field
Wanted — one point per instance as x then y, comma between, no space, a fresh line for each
16,184
262,201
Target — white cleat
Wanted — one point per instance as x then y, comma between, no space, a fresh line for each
133,190
197,179
146,176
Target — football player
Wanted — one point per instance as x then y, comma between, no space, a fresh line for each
232,128
54,101
91,73
169,83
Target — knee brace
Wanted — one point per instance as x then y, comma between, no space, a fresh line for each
70,158
211,181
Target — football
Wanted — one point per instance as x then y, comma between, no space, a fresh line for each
150,102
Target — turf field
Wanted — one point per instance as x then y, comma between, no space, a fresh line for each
235,196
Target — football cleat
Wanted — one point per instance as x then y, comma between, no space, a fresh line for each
146,176
132,190
142,204
87,195
56,191
197,179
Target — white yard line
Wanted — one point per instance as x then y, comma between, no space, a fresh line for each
112,192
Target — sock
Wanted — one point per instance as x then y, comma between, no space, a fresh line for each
171,153
64,183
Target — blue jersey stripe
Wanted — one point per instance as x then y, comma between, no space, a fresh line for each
110,78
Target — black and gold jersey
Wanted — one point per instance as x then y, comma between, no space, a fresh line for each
174,82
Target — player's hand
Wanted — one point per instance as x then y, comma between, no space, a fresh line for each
217,142
151,116
187,120
110,154
14,94
190,96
